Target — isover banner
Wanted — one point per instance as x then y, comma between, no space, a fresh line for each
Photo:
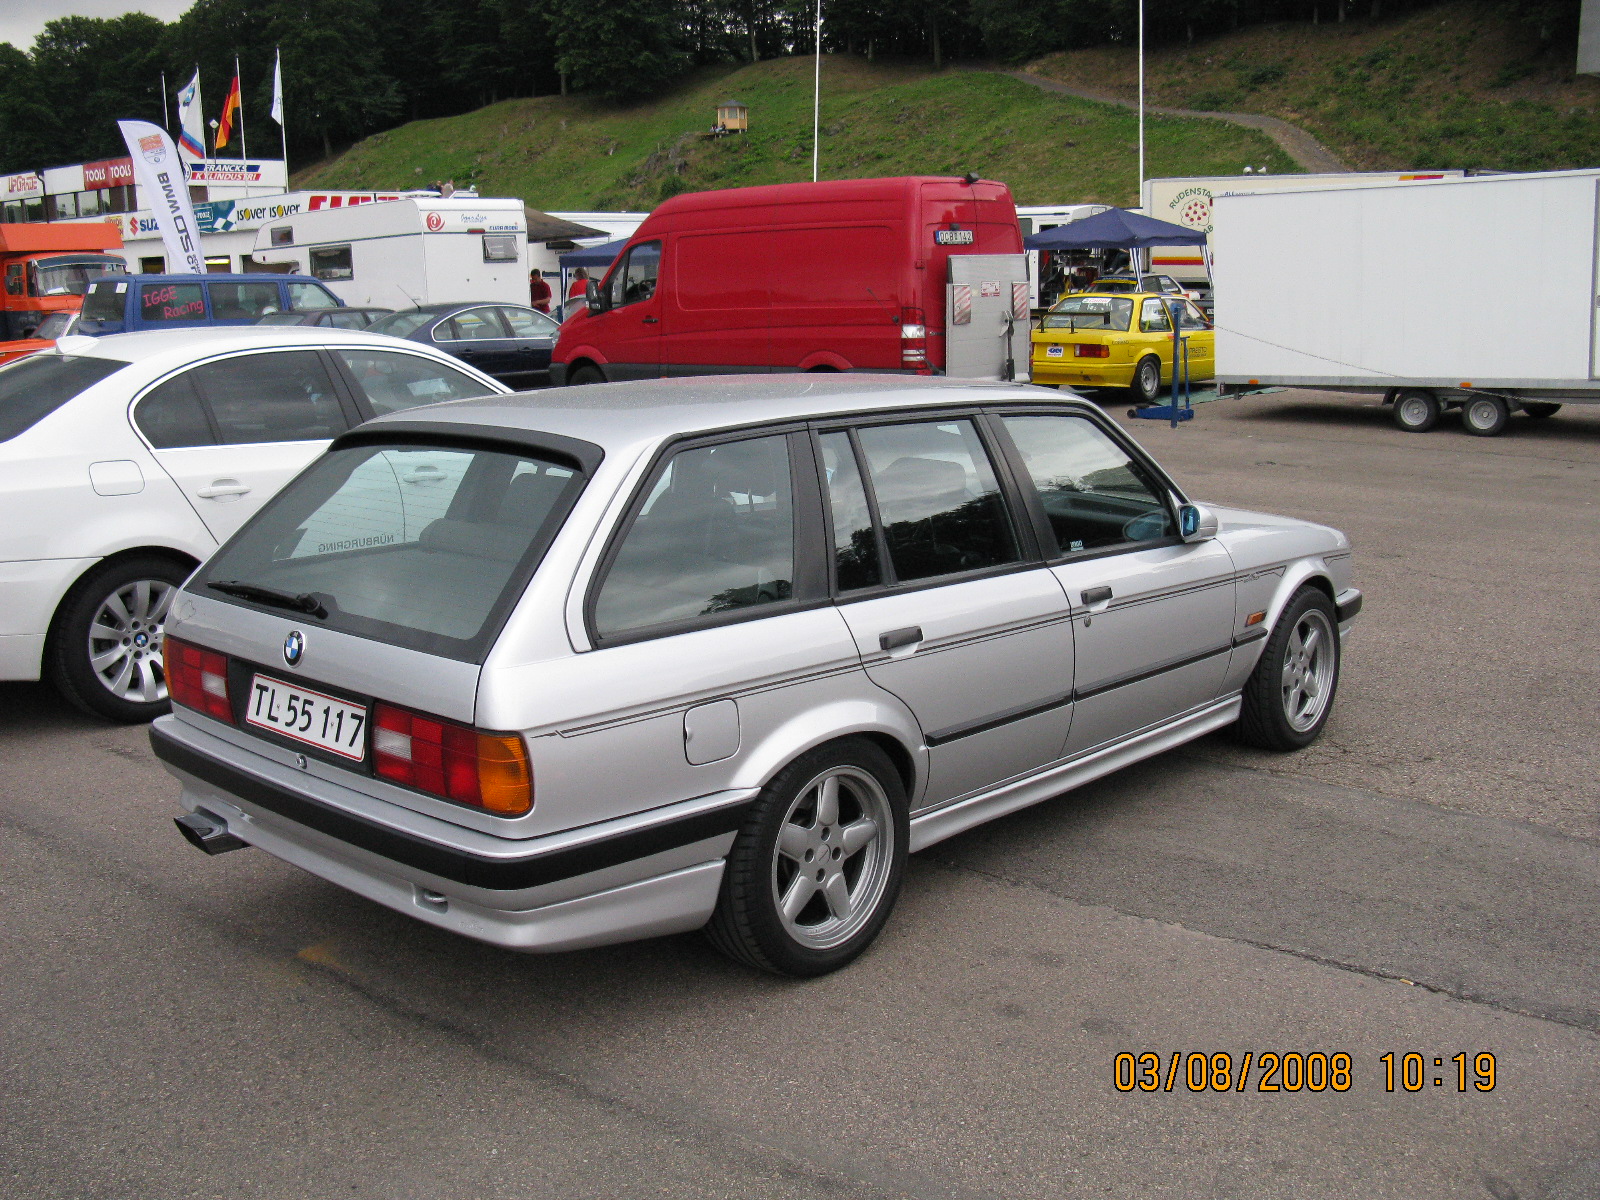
162,176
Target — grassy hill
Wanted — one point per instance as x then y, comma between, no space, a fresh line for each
877,119
1454,85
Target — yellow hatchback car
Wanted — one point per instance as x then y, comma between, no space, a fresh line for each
1090,340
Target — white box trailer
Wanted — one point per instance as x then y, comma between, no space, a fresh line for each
1188,202
1399,292
405,252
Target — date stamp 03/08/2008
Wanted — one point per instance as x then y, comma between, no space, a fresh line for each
1293,1071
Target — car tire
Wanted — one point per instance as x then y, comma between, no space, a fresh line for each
816,869
1540,408
1416,411
104,650
1146,384
1484,416
1290,693
584,375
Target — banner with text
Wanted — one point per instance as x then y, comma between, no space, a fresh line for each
163,178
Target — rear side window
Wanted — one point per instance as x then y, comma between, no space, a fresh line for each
938,499
281,397
162,302
715,535
1094,494
394,381
32,388
417,546
171,416
474,325
243,301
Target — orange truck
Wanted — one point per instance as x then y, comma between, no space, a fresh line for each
47,269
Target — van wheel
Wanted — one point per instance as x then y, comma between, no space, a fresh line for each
1540,408
1485,416
1416,411
815,872
105,646
586,374
1146,381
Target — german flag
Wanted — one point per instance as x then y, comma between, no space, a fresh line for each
230,108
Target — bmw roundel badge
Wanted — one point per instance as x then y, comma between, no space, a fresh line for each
293,647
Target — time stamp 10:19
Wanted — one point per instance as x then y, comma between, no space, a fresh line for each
1293,1071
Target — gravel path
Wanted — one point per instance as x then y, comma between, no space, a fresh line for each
1299,145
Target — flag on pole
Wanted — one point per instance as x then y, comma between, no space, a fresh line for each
191,120
277,88
230,110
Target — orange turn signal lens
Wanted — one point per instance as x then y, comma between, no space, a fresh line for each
505,777
1255,618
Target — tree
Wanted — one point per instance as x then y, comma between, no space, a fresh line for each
619,50
333,81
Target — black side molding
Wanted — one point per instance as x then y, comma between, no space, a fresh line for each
493,874
1348,604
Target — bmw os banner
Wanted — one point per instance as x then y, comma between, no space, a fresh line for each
166,187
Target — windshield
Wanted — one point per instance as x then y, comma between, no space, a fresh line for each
105,300
401,324
1090,312
72,277
421,547
55,325
33,387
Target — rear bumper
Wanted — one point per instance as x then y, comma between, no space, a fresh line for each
617,881
29,593
1084,372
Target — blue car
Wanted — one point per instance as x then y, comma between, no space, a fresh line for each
508,341
131,303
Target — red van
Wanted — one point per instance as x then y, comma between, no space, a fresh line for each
852,275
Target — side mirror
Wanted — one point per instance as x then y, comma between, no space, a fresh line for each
1196,523
593,297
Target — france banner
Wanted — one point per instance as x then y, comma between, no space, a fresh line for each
165,183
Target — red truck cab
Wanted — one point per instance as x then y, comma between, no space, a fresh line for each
846,275
48,268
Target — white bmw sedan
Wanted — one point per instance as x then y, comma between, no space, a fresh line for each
125,460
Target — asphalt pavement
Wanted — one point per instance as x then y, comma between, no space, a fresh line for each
1422,883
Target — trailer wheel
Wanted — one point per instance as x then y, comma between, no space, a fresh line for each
1146,381
585,374
1540,408
1416,411
1484,416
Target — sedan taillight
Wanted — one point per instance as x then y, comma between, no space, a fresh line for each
486,770
197,679
1083,350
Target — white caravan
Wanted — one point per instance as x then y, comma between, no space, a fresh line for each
1389,290
401,253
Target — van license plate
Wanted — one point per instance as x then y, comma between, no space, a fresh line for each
308,716
1056,351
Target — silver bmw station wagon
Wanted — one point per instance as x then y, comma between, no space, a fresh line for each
573,667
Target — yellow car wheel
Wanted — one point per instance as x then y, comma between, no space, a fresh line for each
1146,380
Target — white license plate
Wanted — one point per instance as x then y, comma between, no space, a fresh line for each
1057,351
307,716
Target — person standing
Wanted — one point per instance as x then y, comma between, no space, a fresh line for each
538,291
580,284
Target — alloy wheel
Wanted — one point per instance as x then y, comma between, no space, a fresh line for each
125,640
833,858
1308,670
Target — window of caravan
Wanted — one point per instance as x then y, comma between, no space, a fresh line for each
332,262
499,247
860,264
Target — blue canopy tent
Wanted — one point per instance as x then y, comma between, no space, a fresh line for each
601,256
1114,229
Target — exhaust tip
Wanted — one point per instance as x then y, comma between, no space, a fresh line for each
209,833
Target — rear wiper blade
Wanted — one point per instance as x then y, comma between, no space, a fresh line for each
303,602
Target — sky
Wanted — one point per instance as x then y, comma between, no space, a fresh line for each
23,20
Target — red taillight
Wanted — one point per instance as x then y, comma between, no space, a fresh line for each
913,338
198,679
486,770
1082,350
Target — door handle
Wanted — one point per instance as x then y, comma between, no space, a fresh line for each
895,638
220,488
651,320
1097,598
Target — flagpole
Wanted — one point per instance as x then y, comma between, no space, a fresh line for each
244,147
166,121
283,129
816,99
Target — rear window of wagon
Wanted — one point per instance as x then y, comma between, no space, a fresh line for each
421,546
33,387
